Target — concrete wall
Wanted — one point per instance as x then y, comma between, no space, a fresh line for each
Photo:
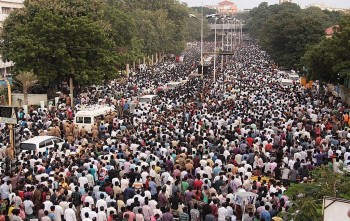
345,94
341,91
33,99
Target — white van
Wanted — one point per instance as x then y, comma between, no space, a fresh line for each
147,99
287,82
89,116
39,144
294,77
173,85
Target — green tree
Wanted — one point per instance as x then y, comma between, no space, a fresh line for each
124,31
286,31
257,18
162,25
307,198
318,61
60,40
329,60
88,40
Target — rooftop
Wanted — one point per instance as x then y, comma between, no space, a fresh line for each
226,3
330,31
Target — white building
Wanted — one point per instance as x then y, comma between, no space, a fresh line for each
6,7
322,6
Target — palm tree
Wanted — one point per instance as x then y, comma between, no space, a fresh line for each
26,79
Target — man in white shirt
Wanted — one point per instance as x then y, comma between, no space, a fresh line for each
89,199
111,209
101,203
208,170
101,215
47,203
4,190
222,212
84,210
86,217
58,213
69,214
124,183
82,180
64,204
28,206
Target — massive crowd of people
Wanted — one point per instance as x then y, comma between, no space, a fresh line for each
205,151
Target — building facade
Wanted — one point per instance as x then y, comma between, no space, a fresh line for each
322,6
6,7
224,8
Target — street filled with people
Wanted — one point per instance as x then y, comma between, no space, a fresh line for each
201,151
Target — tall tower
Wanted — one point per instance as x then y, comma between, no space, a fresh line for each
283,1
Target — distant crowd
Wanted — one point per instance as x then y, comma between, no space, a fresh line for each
205,151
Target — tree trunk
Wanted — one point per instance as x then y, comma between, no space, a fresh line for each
71,91
127,70
25,96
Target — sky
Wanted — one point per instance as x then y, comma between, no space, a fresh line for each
249,4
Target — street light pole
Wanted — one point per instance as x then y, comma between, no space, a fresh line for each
222,45
241,31
226,33
202,40
231,29
215,49
235,33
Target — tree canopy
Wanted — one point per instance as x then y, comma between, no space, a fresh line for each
90,39
57,39
307,198
329,60
286,30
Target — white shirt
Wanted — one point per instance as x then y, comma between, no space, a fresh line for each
101,202
58,213
92,215
101,216
28,207
69,215
109,209
83,211
64,205
47,205
124,183
82,181
222,213
89,200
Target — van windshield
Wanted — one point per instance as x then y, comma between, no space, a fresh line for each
28,146
145,100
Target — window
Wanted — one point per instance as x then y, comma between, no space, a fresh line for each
48,143
28,146
42,144
56,140
79,120
6,10
87,120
